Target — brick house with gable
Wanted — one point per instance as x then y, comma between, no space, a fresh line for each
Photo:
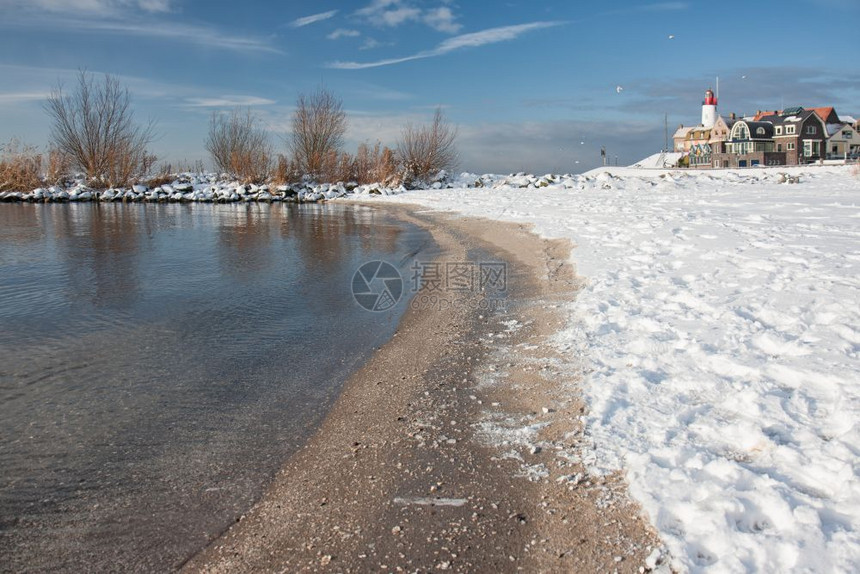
801,134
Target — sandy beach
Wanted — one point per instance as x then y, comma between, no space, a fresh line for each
428,461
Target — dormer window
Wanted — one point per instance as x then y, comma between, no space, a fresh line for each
759,131
810,130
790,130
779,130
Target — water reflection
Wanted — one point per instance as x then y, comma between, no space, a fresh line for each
173,356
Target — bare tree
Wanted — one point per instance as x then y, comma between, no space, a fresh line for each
426,150
319,125
240,146
94,127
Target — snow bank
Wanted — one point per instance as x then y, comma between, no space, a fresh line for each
719,334
201,188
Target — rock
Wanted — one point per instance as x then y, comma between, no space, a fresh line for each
139,188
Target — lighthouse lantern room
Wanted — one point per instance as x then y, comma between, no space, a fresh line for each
709,109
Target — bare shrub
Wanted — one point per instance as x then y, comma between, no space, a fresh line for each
94,126
375,165
345,168
319,125
426,150
285,171
59,166
20,167
163,176
240,146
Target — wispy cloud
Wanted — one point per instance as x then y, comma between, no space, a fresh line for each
101,7
185,33
662,7
228,102
393,13
343,33
132,17
471,40
19,97
314,18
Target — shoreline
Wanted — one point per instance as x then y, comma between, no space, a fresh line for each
449,448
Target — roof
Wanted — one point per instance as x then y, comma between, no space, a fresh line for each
682,132
698,133
754,128
826,114
834,129
760,114
788,116
848,119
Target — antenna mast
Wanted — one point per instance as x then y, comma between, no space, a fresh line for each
666,127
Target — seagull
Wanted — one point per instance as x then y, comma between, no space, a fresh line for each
618,89
671,36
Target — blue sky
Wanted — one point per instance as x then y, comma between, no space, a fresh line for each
532,86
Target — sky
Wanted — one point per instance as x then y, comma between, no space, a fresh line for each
532,86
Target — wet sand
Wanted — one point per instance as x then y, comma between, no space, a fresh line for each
451,449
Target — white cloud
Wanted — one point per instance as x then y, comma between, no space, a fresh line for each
343,33
176,31
393,13
228,102
471,40
307,20
370,44
155,5
102,7
442,19
20,97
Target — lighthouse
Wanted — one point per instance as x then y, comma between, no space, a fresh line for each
709,109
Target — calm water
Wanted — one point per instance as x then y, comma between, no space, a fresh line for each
158,363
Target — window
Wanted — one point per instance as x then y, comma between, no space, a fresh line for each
740,132
759,131
835,149
810,130
779,130
847,134
811,148
790,130
778,147
790,146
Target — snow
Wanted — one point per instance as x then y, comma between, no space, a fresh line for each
718,335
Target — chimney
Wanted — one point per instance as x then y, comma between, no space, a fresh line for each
734,116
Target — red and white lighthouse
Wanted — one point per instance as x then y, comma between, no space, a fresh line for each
709,109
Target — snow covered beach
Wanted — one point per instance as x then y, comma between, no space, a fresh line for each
718,336
715,343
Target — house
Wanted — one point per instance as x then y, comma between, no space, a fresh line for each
843,141
720,133
697,144
750,143
680,139
800,133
